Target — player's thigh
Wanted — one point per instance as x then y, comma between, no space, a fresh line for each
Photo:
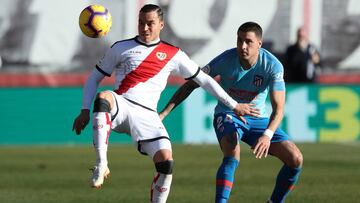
287,152
230,146
146,125
120,115
228,129
159,150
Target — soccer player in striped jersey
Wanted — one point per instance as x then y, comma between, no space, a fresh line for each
249,73
141,66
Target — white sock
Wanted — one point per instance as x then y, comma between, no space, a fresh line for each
160,188
101,133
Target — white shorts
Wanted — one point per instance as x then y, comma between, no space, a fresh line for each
143,125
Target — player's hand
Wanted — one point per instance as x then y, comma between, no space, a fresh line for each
81,121
261,147
246,109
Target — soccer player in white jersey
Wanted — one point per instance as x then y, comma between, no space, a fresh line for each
249,73
141,66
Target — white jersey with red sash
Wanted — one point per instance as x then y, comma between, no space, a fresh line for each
141,70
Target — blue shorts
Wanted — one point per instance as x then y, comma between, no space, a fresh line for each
227,122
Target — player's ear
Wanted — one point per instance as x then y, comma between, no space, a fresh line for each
162,24
260,43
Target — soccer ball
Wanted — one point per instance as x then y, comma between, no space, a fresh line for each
95,21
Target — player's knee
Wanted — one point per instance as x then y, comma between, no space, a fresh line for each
230,140
101,105
297,160
165,167
230,145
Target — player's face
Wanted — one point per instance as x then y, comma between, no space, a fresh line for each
149,26
248,45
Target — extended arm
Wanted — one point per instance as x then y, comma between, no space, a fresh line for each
89,92
180,95
210,85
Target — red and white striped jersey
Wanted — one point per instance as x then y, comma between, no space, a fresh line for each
142,70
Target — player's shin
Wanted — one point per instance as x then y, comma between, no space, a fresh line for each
160,187
225,179
101,130
285,183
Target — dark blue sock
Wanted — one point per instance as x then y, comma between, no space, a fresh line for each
225,179
285,183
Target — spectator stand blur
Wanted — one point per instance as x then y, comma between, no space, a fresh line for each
302,61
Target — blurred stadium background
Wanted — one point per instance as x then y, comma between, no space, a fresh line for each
45,60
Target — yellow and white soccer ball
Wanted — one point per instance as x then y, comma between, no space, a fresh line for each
95,21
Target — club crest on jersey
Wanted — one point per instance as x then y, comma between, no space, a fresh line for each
161,55
258,80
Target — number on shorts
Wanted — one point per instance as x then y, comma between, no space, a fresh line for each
219,122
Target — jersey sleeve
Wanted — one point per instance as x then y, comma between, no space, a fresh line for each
187,68
107,63
277,82
210,85
214,67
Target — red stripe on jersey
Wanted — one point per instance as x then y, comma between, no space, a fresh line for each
151,66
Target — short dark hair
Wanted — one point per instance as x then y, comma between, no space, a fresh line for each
251,27
152,7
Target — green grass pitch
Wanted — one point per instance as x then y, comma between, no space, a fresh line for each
54,174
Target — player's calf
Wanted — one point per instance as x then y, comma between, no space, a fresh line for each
162,181
101,132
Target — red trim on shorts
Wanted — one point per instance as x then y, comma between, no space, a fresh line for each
148,68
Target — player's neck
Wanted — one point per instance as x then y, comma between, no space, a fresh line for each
148,43
246,64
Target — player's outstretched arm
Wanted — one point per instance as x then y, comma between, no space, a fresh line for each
180,95
89,92
210,85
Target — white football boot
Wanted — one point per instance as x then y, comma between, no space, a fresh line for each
98,176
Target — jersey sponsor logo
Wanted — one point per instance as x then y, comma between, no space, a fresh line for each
242,95
161,55
134,52
258,80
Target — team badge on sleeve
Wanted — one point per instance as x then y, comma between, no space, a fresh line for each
258,80
206,69
279,77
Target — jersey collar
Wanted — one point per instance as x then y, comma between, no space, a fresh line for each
153,43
